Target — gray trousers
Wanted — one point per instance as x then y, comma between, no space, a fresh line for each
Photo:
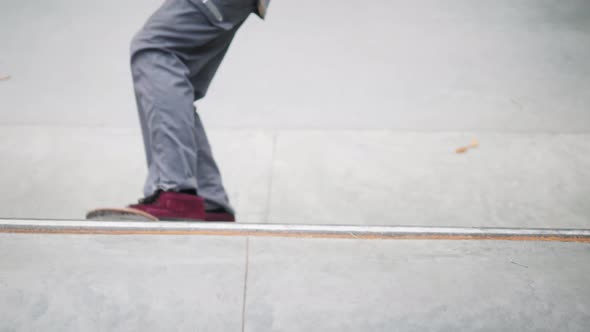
173,60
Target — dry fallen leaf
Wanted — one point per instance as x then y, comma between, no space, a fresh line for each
474,144
462,149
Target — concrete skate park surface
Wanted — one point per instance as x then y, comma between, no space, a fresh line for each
106,279
335,112
328,113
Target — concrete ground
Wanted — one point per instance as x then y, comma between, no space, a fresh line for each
67,282
331,112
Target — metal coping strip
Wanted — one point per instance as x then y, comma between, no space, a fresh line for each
299,231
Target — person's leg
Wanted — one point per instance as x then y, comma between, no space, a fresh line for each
208,175
168,55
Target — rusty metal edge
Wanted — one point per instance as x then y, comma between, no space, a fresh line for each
297,231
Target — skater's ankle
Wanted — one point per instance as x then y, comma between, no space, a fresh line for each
189,192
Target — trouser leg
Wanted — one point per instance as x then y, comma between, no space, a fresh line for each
174,58
209,178
165,101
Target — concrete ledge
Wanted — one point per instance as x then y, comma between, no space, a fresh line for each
301,231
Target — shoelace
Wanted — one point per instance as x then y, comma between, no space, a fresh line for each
151,198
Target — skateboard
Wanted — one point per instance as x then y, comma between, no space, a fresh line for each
119,214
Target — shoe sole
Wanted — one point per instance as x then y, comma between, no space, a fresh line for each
127,214
119,214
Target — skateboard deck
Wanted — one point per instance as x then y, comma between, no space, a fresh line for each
119,214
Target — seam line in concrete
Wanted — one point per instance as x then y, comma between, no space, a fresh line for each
271,178
245,294
548,132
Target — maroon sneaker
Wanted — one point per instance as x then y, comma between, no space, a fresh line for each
219,215
172,206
